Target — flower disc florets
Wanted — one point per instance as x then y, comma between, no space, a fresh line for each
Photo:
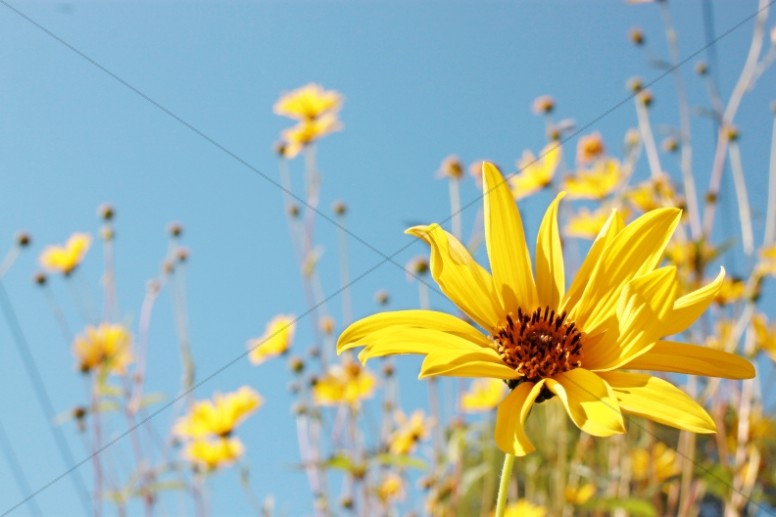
539,345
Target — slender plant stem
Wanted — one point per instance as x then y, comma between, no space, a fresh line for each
503,486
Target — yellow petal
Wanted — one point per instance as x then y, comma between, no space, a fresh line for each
358,333
462,280
550,276
589,401
644,305
689,307
408,340
669,356
510,420
658,400
510,261
636,250
611,228
481,363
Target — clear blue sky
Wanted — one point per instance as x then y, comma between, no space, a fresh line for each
421,79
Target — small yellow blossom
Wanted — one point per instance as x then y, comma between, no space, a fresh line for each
722,337
107,346
765,335
308,131
732,290
213,454
651,194
219,417
523,508
767,265
690,254
451,168
661,460
410,431
391,488
589,148
275,341
595,183
586,224
580,495
484,395
64,259
308,102
348,383
535,173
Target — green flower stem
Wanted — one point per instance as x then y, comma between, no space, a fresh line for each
506,474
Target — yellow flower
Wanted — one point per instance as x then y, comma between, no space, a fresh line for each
535,173
308,102
651,194
722,336
580,495
275,341
690,254
391,488
107,346
765,335
64,259
523,508
213,454
595,183
767,265
484,395
219,417
589,148
410,432
661,459
308,131
586,224
732,290
348,383
547,341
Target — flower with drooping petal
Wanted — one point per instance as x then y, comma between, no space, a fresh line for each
308,102
535,173
410,431
64,259
214,454
219,417
348,383
484,395
275,341
547,340
106,346
595,183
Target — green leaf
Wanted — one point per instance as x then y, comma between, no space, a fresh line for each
401,461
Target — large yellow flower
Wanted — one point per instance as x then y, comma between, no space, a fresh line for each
64,259
219,417
547,341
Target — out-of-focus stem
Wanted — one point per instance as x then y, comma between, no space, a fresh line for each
96,444
455,207
8,261
770,218
503,486
650,147
744,212
347,305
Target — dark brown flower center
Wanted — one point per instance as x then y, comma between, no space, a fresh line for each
538,345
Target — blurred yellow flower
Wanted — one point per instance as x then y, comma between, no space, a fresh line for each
589,148
308,131
308,102
651,194
661,460
107,347
523,508
765,335
723,334
275,341
732,290
219,417
595,183
347,383
690,254
579,495
767,265
410,431
484,395
534,173
586,224
64,259
213,454
547,341
391,488
543,105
